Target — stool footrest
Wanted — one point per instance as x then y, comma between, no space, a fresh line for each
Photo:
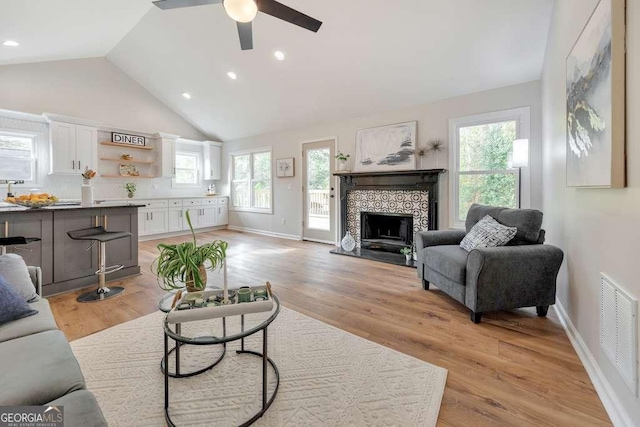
109,270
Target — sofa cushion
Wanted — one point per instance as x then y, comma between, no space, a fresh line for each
37,369
527,221
40,322
80,409
450,261
487,233
12,306
15,271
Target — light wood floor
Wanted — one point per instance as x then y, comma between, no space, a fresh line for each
513,369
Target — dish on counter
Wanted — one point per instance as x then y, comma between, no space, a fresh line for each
33,201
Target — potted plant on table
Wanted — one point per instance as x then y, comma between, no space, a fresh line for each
183,265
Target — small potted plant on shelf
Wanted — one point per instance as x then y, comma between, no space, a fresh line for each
183,265
342,160
130,187
407,252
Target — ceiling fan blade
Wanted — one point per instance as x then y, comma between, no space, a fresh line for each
245,31
278,10
174,4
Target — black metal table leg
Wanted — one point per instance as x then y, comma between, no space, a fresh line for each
242,330
178,331
264,369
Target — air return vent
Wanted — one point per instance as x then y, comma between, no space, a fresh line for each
619,330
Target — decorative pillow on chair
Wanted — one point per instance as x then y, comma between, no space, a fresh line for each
487,233
16,274
12,305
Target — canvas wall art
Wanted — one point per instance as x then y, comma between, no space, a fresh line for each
387,148
596,101
285,168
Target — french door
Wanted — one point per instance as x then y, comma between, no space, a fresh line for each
318,189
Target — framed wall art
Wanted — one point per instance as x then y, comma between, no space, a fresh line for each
285,168
596,101
387,148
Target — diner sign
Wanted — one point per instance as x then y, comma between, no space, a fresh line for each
123,138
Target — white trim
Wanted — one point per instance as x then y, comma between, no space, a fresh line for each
51,117
250,152
148,237
617,413
19,115
264,232
326,242
522,116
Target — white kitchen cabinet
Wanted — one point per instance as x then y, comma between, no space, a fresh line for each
222,217
177,221
208,217
212,160
73,148
167,155
153,221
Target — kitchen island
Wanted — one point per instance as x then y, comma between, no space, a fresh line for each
70,264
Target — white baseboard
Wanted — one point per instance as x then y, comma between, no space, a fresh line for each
178,233
326,242
264,232
617,413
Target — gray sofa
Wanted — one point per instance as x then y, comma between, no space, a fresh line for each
39,368
521,274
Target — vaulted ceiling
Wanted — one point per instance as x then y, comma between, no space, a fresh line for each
369,56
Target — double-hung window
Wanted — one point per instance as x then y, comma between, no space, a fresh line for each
187,169
17,157
251,181
480,161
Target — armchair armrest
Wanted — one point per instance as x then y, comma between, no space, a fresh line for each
428,238
36,278
509,277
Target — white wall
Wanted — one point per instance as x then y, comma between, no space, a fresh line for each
88,88
93,89
433,122
597,229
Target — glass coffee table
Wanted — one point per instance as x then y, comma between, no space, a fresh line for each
234,328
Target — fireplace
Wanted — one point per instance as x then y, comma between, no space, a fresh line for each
384,210
386,231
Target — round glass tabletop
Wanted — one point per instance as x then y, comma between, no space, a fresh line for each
220,330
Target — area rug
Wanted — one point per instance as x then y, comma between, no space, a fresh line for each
328,377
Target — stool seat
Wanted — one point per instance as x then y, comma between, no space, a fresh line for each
17,240
99,234
102,236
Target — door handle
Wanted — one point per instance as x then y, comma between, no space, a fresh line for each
79,167
6,229
151,216
104,221
146,216
73,164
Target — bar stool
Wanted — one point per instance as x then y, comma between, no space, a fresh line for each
15,241
101,236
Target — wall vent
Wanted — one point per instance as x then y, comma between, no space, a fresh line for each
619,330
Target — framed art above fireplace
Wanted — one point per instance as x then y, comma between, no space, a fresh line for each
387,148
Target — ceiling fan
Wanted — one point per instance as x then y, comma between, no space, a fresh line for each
244,11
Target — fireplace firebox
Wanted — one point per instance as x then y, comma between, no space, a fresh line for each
386,231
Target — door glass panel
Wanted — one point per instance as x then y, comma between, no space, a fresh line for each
318,188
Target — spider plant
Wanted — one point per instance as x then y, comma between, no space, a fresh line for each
184,264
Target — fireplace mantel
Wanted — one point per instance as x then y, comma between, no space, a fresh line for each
425,179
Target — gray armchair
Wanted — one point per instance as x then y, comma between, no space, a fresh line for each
521,274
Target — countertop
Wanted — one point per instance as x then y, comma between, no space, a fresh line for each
8,208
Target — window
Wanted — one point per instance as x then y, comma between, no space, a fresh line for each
187,169
480,157
17,157
251,181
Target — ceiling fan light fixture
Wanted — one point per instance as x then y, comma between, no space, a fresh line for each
241,10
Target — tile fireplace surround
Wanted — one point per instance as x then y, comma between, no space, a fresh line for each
409,192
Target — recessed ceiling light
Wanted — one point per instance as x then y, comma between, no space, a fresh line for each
10,43
232,75
279,55
187,95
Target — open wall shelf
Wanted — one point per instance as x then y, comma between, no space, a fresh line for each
137,147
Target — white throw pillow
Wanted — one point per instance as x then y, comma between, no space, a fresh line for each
487,233
15,272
